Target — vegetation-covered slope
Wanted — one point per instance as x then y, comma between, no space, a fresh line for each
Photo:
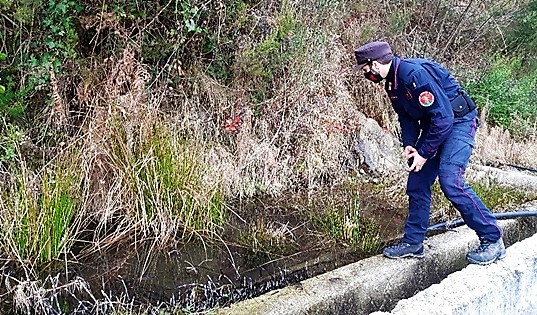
124,118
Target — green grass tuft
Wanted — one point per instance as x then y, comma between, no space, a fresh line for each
37,210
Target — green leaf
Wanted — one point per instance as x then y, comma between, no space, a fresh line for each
3,56
190,25
2,89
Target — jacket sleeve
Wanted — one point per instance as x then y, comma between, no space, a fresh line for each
410,129
431,98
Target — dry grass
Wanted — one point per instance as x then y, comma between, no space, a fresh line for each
40,297
497,146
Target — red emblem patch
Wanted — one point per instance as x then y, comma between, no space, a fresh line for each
426,99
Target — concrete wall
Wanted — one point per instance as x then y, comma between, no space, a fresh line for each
378,283
506,287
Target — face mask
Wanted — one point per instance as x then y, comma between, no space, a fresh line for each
372,76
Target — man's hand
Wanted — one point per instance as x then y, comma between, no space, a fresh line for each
415,160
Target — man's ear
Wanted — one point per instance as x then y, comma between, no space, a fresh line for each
381,69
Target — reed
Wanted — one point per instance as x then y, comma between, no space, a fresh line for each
163,182
37,208
345,223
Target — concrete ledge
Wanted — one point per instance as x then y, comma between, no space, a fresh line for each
377,283
517,179
506,287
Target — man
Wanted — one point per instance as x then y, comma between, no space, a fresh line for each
438,124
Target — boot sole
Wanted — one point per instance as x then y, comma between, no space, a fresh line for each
484,263
406,256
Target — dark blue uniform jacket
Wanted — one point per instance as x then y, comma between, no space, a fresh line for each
420,91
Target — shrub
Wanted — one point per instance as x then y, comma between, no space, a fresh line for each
508,91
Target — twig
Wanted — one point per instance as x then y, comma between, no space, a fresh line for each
457,27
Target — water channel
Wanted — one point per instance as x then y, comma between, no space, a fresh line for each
201,274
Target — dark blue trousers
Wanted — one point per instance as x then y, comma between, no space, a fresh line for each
449,165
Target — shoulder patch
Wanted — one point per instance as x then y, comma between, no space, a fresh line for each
426,98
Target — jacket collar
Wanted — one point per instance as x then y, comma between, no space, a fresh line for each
391,78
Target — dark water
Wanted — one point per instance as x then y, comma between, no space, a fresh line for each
198,277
